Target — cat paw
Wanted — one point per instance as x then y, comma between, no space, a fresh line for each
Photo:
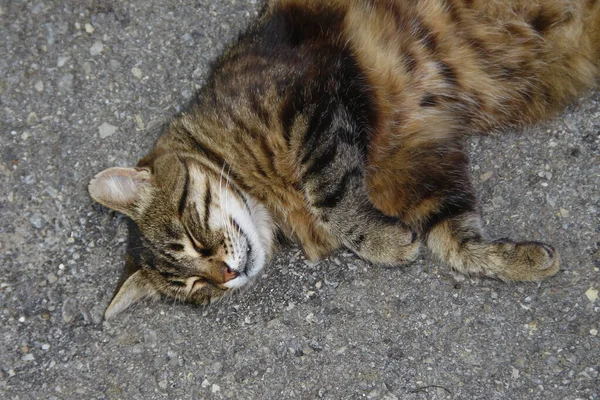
531,261
392,248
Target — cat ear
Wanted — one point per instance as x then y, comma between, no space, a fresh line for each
119,188
134,289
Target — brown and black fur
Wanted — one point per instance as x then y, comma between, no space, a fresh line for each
346,119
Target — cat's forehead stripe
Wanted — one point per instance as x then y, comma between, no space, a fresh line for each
184,195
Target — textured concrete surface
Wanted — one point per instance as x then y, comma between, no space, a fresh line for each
83,86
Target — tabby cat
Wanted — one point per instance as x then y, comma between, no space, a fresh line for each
342,123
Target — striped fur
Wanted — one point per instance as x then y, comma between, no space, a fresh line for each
342,122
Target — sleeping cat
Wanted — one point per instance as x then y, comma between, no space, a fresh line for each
342,123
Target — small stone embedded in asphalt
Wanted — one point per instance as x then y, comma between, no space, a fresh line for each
39,86
137,72
69,310
486,176
105,130
150,338
65,83
62,61
32,118
51,278
114,64
316,346
96,48
592,294
37,220
89,28
310,318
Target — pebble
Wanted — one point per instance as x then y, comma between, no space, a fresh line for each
45,347
69,310
150,338
96,48
28,357
592,295
316,346
39,86
32,119
215,388
310,318
114,64
205,383
187,94
594,332
37,220
105,130
89,28
62,61
486,177
51,278
29,179
87,68
137,72
87,315
65,83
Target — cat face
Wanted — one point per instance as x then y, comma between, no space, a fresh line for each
200,236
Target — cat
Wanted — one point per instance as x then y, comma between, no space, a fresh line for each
341,123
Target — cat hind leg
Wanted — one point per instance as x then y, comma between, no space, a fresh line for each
460,242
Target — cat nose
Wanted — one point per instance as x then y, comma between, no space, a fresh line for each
229,273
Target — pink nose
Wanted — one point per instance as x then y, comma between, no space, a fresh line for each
229,273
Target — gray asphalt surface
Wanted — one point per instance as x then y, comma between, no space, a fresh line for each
83,86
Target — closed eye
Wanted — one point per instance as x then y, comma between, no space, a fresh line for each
200,249
204,252
176,247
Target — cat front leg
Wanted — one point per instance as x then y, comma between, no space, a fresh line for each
344,209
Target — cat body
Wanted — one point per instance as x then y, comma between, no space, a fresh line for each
342,123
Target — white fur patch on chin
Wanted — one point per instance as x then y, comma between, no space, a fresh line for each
265,226
238,282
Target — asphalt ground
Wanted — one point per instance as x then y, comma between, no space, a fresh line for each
84,85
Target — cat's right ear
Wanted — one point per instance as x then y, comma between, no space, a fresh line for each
120,189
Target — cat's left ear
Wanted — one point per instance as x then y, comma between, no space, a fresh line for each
120,188
134,289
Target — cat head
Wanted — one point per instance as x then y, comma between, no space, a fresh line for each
200,236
